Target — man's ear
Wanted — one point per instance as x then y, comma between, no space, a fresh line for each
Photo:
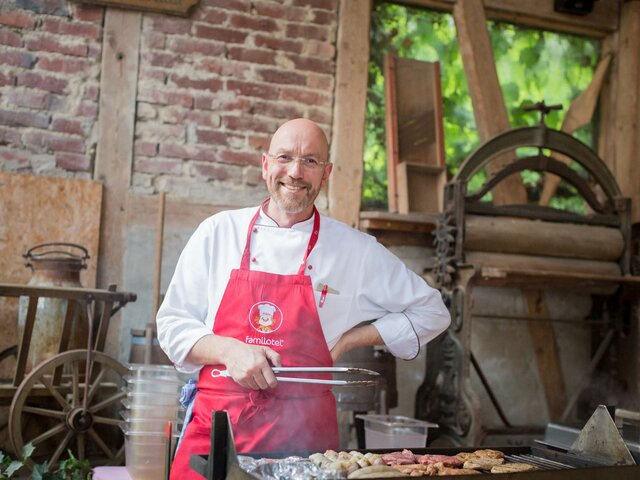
326,173
265,165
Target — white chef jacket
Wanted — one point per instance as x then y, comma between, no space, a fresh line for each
365,282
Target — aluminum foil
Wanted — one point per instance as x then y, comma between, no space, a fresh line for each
290,468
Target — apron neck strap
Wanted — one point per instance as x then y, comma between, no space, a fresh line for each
246,255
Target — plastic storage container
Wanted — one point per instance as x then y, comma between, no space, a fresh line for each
389,431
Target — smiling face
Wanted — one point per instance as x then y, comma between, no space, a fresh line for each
293,187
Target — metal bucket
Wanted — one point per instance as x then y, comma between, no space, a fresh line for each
56,264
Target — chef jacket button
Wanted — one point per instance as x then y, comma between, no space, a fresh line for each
310,267
253,259
255,230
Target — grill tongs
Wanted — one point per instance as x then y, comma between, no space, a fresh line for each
346,370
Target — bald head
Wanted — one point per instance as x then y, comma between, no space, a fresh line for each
301,137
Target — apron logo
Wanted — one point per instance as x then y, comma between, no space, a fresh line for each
265,317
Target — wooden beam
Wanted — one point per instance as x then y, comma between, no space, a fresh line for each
486,95
347,146
603,20
114,157
627,110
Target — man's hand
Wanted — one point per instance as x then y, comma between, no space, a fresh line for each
249,365
354,338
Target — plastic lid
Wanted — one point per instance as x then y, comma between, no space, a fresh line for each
164,379
396,421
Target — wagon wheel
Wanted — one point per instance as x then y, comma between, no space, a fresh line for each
51,416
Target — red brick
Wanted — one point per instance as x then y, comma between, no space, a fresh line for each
246,22
64,64
223,67
280,11
252,55
319,81
305,96
73,161
164,97
158,165
17,58
7,37
271,75
151,74
250,89
286,45
49,43
162,59
36,99
18,19
181,115
312,64
313,48
186,152
277,109
15,118
210,102
95,52
324,17
259,142
91,92
54,141
321,115
167,24
212,137
7,78
161,133
66,125
252,176
239,5
88,13
240,158
154,40
86,109
9,136
192,45
210,15
307,31
247,122
72,28
221,34
211,84
43,82
209,171
147,149
321,4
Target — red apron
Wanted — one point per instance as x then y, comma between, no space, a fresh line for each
277,311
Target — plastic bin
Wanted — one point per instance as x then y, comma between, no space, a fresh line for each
389,431
138,409
153,386
145,454
139,425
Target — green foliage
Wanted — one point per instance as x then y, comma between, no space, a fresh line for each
532,66
69,469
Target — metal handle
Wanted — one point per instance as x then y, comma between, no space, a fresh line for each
83,257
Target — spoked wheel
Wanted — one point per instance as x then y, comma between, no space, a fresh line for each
56,410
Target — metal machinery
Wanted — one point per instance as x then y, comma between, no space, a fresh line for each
70,400
536,249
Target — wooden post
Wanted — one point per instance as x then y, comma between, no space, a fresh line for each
114,156
486,95
347,145
627,111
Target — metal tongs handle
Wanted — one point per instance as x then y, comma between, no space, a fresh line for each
215,373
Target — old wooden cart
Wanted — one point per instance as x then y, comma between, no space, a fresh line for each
69,401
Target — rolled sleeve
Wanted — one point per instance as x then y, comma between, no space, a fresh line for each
398,335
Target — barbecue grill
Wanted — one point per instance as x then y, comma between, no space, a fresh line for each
599,453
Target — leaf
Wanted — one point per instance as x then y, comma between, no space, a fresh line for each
13,467
28,450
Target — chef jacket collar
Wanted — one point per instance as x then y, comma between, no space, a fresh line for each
266,221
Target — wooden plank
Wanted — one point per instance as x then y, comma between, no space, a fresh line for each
547,356
606,107
347,144
486,95
421,187
603,20
627,112
114,156
391,129
175,7
36,209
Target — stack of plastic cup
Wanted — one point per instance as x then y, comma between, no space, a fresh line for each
153,399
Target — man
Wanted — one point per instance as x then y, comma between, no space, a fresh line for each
282,285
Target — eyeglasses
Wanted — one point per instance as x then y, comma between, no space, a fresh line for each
309,163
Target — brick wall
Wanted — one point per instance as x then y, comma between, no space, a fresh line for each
49,84
212,87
